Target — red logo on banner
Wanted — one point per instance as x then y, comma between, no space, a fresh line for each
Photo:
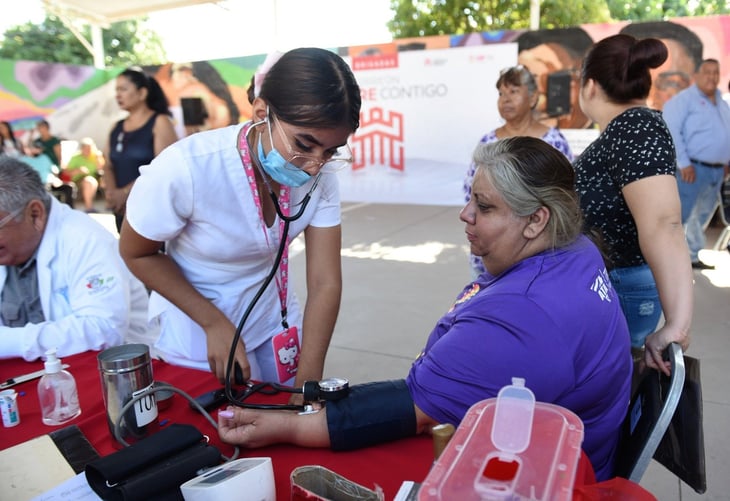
379,140
379,62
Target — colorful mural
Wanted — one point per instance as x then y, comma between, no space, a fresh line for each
404,151
79,101
33,90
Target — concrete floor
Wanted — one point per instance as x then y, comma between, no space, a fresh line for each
403,266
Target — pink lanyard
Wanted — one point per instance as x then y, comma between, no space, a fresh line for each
282,282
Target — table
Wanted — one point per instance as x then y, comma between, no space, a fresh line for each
384,467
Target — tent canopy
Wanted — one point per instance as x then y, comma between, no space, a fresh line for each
100,14
103,13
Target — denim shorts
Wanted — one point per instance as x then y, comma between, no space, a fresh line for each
639,299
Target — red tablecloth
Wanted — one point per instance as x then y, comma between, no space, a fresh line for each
385,466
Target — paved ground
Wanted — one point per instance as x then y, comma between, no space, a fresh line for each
403,266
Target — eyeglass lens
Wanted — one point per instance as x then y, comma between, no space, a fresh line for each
297,160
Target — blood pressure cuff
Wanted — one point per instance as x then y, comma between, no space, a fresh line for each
153,468
372,413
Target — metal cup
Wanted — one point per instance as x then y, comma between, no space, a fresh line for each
126,371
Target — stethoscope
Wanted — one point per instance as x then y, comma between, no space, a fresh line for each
326,389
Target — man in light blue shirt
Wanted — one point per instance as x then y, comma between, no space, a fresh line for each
699,120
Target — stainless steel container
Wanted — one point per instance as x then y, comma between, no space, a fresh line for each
126,371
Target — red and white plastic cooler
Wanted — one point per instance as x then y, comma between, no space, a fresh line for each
509,448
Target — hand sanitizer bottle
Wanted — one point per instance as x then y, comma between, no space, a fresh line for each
57,393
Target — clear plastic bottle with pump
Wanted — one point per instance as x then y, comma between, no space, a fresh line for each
57,392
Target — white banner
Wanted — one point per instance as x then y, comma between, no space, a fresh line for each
423,112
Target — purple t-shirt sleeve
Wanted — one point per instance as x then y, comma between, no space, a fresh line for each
471,355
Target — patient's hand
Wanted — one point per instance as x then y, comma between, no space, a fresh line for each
253,428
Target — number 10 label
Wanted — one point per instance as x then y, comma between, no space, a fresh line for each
145,409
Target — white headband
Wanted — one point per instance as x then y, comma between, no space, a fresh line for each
258,78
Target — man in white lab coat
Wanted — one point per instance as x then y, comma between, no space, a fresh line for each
62,282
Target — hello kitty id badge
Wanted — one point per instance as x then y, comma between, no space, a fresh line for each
286,353
285,345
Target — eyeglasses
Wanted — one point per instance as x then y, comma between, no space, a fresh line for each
301,161
4,221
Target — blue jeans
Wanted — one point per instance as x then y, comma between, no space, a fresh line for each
639,299
699,201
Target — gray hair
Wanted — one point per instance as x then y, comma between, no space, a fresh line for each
529,174
19,184
518,76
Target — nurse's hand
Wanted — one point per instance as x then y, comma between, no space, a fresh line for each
219,340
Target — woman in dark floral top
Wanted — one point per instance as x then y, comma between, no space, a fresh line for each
628,192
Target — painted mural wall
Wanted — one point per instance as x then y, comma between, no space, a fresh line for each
426,101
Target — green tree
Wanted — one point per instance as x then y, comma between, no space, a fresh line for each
656,10
125,43
413,18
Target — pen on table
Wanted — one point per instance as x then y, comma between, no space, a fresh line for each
25,377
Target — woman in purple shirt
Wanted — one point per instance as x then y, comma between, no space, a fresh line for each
544,310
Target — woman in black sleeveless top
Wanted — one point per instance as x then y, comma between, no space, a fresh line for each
137,139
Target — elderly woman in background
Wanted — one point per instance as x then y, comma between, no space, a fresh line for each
517,100
84,169
545,310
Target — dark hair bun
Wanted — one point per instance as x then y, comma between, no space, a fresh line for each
649,52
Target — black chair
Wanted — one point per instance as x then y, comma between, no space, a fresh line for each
64,193
650,413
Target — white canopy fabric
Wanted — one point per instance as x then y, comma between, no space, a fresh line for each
105,12
100,14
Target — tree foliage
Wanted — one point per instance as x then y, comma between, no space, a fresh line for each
656,10
413,18
125,43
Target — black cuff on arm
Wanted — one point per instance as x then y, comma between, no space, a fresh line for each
372,413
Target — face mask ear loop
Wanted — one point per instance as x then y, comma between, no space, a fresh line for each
254,160
272,194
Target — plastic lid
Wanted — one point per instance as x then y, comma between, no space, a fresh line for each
512,425
52,363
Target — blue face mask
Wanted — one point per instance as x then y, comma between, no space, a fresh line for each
274,166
